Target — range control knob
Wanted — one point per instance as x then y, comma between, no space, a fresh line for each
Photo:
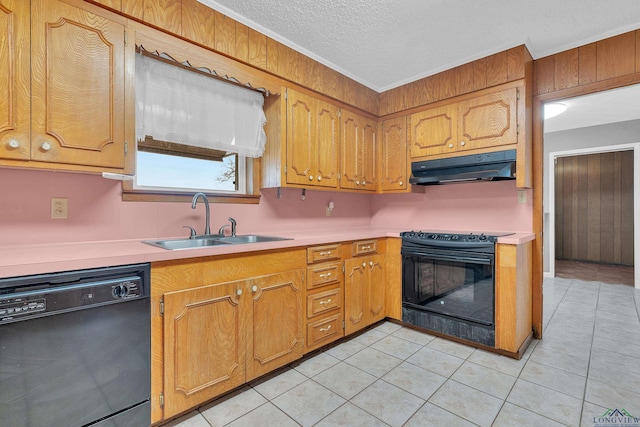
120,291
455,237
483,237
434,236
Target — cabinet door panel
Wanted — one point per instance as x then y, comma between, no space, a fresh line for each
355,294
277,322
432,131
351,130
14,79
77,86
327,141
488,120
394,167
368,155
300,144
204,344
376,289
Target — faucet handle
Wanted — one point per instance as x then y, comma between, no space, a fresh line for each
221,229
192,231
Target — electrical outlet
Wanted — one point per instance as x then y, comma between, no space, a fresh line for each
59,208
522,196
328,211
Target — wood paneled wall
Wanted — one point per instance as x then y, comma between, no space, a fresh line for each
200,24
595,62
493,70
594,208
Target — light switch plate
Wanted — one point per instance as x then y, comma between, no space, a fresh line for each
59,208
522,196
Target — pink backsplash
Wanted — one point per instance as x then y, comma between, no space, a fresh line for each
97,212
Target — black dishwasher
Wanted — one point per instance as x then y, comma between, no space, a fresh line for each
75,348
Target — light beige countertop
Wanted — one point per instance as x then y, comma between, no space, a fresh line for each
20,260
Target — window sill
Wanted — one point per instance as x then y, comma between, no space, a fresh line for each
135,196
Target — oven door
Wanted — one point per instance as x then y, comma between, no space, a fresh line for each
454,283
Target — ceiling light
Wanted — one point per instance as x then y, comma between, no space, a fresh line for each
553,109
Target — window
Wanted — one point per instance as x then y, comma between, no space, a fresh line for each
194,132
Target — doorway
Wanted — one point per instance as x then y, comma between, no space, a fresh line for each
603,220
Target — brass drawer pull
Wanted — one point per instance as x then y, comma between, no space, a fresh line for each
366,248
325,253
325,329
325,302
324,276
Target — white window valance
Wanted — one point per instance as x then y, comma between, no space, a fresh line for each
182,106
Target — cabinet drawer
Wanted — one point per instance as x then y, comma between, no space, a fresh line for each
323,253
324,331
323,302
324,274
364,247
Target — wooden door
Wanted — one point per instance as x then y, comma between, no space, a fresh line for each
300,138
393,164
78,86
488,120
15,75
432,131
355,294
277,322
204,344
377,284
327,134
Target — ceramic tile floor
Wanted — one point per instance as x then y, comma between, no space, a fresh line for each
587,362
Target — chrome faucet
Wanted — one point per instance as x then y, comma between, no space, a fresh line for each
207,229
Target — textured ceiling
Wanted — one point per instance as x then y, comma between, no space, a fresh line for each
386,43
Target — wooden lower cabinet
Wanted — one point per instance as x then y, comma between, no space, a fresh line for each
364,292
219,322
205,340
275,335
513,296
324,296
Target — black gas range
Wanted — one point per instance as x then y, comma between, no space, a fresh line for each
448,283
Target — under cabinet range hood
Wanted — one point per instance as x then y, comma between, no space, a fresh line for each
500,165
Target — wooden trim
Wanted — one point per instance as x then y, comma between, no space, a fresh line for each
150,145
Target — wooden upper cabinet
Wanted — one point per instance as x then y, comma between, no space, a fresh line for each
432,131
486,120
358,143
394,159
14,79
78,86
311,141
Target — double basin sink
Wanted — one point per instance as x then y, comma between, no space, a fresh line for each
211,240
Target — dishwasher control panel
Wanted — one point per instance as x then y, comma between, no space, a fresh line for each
25,304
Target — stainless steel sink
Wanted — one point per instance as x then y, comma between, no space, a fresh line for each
200,242
174,244
250,238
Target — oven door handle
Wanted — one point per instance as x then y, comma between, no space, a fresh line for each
457,258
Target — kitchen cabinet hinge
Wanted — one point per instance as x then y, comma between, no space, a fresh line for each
161,307
286,94
285,169
518,94
343,268
126,39
126,148
517,129
343,325
161,400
